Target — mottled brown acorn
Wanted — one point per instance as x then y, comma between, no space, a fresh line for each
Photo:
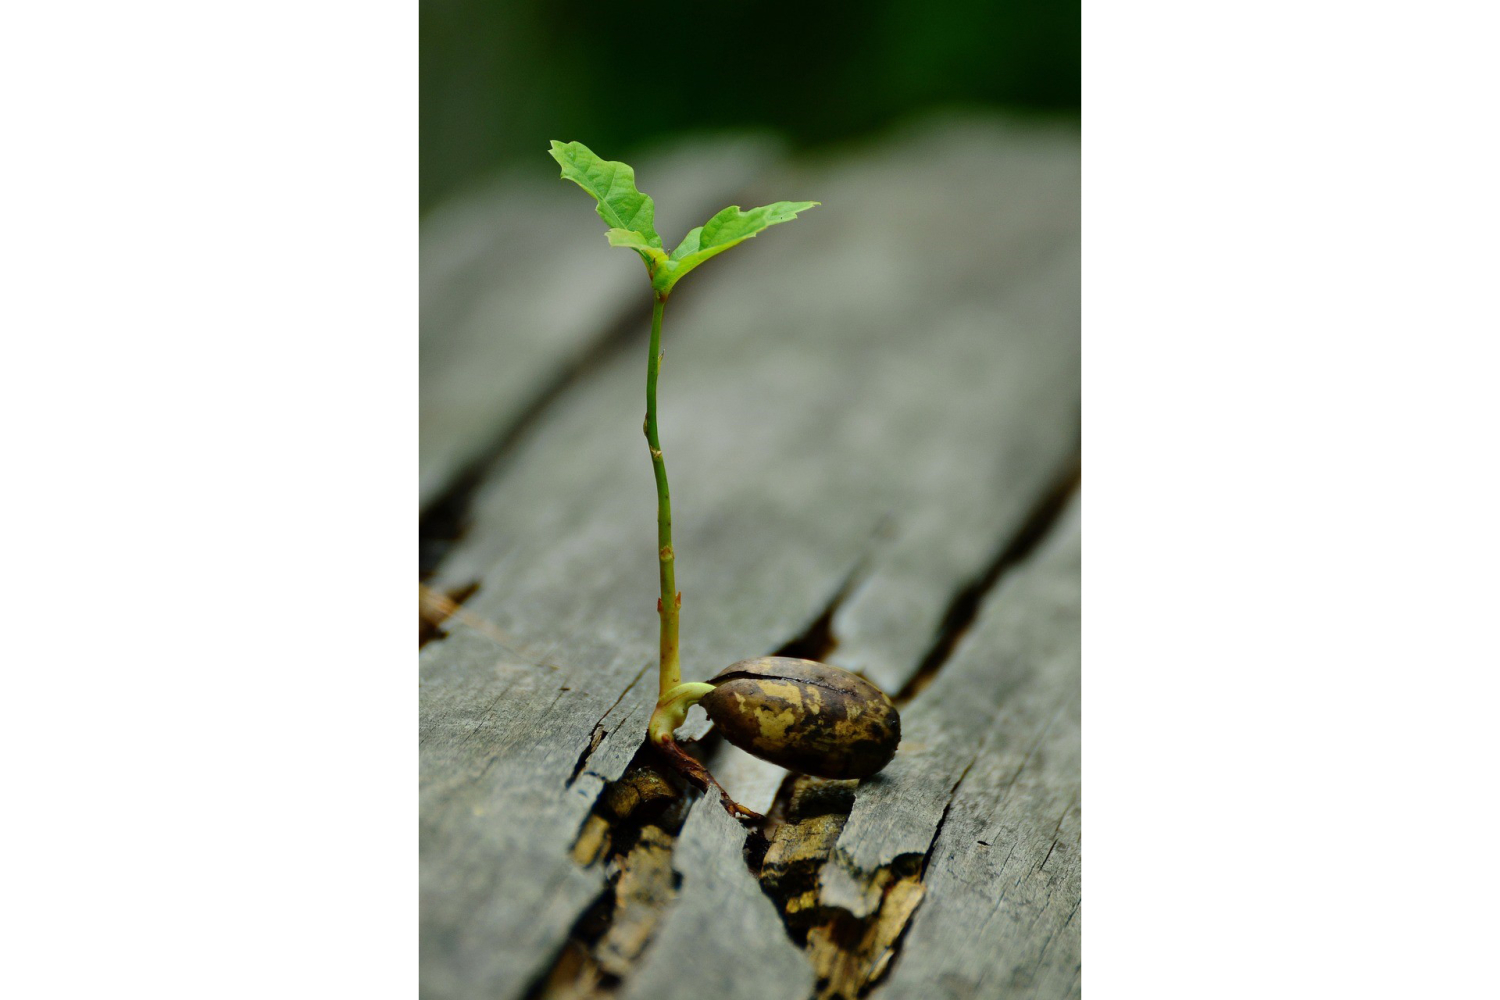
805,716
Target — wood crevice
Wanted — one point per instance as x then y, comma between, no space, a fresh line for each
818,640
964,606
597,735
850,954
629,836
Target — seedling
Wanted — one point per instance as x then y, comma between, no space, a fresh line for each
801,714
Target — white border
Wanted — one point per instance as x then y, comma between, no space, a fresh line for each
210,416
1290,501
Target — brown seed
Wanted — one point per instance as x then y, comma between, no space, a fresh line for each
805,716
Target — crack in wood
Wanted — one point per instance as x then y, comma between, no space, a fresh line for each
630,836
964,606
937,831
596,737
818,640
1055,831
849,954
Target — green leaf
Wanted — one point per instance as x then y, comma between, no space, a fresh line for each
726,229
689,244
630,215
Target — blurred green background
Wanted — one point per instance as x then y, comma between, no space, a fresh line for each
499,78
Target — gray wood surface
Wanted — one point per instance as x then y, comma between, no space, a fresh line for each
987,793
869,405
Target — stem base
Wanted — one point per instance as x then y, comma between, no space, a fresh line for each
670,712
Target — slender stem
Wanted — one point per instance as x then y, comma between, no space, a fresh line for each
676,697
671,667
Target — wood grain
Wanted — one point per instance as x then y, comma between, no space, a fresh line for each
990,798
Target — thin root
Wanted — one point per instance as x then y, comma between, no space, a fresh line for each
702,779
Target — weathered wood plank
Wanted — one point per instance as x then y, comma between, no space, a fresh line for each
492,749
986,792
828,401
516,288
753,957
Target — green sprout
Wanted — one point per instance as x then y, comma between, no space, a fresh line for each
823,739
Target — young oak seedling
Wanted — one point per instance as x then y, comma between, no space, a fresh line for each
803,715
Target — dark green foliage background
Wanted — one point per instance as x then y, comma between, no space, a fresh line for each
499,78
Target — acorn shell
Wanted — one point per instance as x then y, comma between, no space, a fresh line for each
805,716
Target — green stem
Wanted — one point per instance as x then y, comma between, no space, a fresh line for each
671,666
671,710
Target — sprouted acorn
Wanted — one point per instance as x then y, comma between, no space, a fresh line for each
803,715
